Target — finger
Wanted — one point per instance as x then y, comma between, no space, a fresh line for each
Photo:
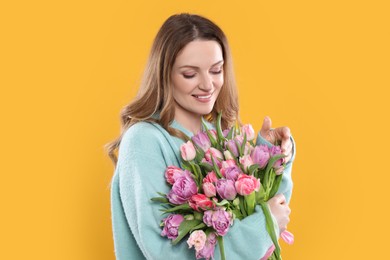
280,198
288,158
286,147
266,127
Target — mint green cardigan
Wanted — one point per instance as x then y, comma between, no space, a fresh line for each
145,151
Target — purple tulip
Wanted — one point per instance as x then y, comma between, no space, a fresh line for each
219,219
202,141
231,173
207,251
231,145
226,189
261,155
182,190
276,150
171,226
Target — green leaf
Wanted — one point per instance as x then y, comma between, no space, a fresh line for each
200,226
272,160
184,228
253,168
212,139
179,207
160,199
222,203
250,201
271,228
260,195
230,134
237,214
221,138
275,186
243,144
206,166
216,169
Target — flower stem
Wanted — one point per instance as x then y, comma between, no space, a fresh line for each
271,229
221,247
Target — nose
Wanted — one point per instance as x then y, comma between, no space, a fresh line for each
206,83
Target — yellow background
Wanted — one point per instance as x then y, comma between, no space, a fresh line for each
68,67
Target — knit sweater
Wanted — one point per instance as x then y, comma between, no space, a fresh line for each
145,151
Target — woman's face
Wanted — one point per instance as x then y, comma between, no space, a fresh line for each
197,78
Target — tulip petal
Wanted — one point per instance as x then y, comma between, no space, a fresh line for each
288,237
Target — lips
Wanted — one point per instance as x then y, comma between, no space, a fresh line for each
203,96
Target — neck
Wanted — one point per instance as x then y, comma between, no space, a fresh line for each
189,121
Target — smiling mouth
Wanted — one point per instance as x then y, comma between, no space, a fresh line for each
203,97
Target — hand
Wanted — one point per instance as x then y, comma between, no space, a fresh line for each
280,135
280,210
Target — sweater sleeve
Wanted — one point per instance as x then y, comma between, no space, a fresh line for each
141,176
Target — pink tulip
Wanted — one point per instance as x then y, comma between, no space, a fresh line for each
197,239
172,173
209,189
246,184
200,201
288,237
188,152
215,154
210,177
248,130
246,161
228,163
269,252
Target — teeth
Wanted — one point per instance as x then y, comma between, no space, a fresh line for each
203,97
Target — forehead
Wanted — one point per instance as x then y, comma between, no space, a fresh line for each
199,53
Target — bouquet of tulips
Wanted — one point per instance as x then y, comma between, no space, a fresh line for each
224,175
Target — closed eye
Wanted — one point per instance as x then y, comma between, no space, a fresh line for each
188,76
216,72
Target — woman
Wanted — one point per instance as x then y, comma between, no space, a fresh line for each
189,75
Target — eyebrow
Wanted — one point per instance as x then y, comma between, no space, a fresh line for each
195,67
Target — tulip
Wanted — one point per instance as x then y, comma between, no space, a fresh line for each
171,226
182,190
172,173
209,189
248,130
260,155
269,252
207,251
210,177
197,239
200,201
219,219
188,152
202,141
226,189
288,237
246,161
246,184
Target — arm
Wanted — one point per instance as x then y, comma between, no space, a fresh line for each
141,176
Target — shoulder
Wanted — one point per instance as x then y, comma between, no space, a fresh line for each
142,134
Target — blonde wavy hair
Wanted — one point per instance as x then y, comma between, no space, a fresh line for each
155,93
